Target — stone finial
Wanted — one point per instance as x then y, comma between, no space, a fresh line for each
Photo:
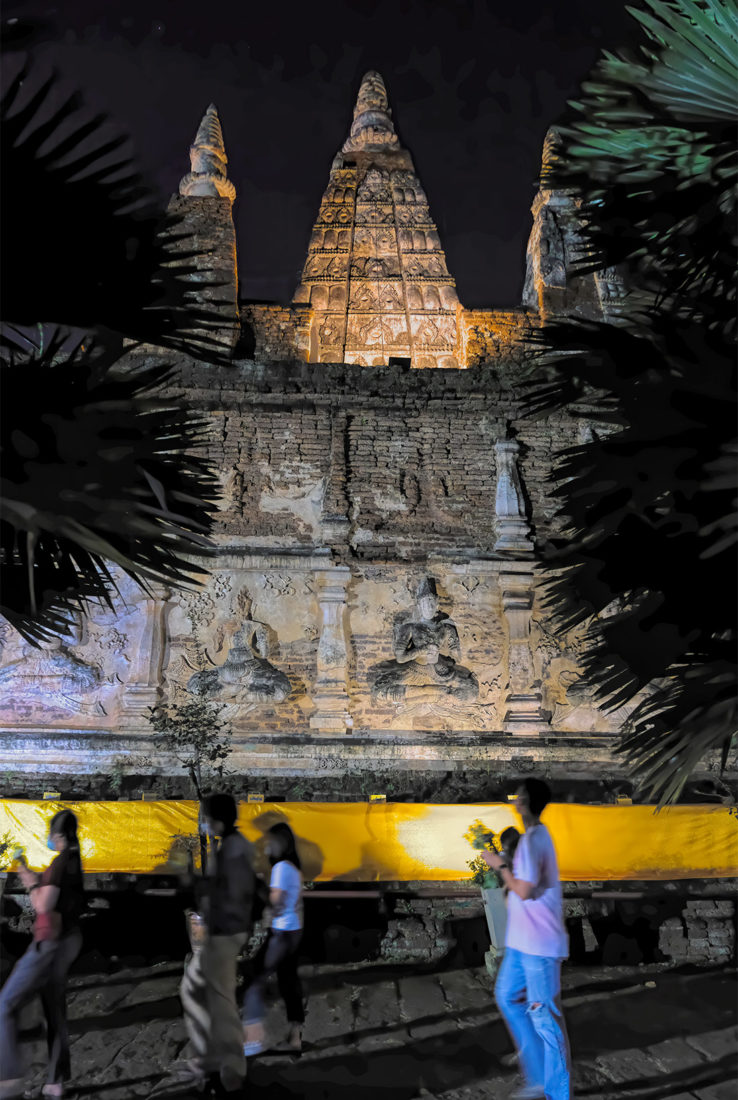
372,126
207,176
513,529
552,147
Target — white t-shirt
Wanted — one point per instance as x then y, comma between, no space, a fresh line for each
285,876
536,926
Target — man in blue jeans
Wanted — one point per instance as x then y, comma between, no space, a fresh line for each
528,988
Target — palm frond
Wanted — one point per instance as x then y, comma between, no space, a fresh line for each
83,244
97,468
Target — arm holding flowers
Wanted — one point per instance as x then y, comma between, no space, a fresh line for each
518,886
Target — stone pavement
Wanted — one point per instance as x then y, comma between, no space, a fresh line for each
404,1032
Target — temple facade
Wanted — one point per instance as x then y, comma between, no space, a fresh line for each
373,609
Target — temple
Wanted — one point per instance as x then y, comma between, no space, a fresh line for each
376,273
373,617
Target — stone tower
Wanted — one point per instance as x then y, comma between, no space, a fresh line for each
555,246
375,273
207,237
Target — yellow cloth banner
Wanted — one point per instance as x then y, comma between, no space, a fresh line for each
394,841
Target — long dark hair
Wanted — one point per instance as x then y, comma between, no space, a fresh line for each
285,838
65,824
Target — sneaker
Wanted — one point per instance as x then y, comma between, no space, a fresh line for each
251,1049
527,1092
509,1061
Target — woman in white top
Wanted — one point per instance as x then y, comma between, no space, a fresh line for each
279,953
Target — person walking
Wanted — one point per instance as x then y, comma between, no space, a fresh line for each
208,989
278,955
528,987
57,899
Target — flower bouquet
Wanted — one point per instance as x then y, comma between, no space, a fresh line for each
481,837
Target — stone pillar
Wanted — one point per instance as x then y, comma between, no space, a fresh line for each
513,529
331,696
523,714
147,662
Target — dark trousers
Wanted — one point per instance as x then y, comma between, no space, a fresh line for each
42,970
277,956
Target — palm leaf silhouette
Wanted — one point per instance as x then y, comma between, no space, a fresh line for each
647,562
97,468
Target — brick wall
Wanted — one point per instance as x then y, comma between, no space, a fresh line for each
412,451
704,933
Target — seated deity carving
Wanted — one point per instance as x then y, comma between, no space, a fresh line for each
424,677
50,675
246,676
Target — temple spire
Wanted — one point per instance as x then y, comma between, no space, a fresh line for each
372,128
375,273
207,176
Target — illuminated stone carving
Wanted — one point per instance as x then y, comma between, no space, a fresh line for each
556,244
208,176
50,677
246,676
524,715
147,660
388,292
330,693
424,678
372,126
513,529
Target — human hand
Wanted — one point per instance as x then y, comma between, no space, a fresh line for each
28,878
493,860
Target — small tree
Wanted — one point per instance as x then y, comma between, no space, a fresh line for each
200,739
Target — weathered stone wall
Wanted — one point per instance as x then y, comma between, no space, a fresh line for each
207,240
405,458
372,605
705,932
496,335
274,333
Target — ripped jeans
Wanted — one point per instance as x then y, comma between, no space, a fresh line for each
528,993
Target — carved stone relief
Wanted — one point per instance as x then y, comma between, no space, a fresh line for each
393,240
246,675
330,695
424,680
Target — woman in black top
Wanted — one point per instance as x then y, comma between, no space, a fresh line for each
58,900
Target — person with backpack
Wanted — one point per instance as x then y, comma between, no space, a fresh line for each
279,954
57,900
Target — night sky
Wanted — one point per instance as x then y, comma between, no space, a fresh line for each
473,87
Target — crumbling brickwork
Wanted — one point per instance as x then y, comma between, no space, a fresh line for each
272,333
705,933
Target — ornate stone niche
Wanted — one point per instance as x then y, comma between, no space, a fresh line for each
246,675
424,681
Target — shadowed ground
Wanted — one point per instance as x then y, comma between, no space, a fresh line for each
404,1032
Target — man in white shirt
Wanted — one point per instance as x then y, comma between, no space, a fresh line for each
528,987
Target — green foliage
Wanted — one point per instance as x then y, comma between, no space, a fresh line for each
482,875
123,766
9,849
480,837
648,558
197,736
651,151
